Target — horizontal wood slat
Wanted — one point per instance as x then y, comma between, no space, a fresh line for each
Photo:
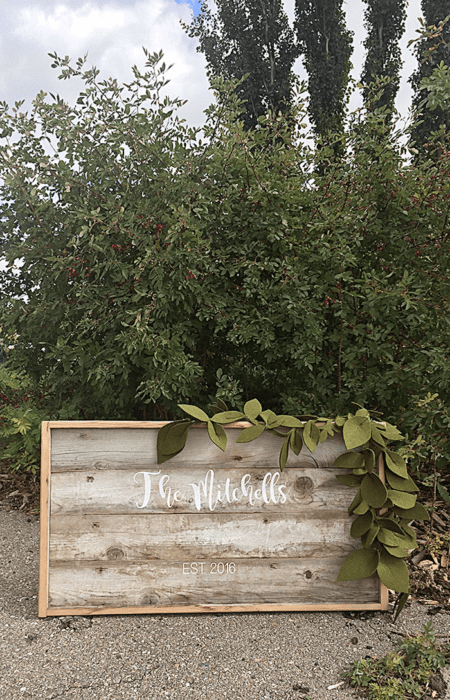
162,583
121,492
90,449
206,536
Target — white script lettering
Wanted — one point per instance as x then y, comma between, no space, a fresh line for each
148,486
209,493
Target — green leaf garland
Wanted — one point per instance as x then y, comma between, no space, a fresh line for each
381,510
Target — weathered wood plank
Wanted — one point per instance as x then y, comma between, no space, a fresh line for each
205,536
120,492
214,608
160,583
121,448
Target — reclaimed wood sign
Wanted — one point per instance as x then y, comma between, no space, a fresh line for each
205,532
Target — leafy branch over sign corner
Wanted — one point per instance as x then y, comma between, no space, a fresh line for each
383,508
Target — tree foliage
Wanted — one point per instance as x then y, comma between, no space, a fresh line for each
326,46
249,38
150,264
433,55
384,21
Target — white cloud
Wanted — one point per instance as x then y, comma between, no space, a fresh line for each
113,32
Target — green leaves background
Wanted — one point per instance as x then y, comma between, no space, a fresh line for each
170,262
383,509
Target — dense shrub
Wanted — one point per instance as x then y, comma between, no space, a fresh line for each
23,405
159,264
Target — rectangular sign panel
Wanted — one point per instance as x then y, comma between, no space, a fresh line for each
207,531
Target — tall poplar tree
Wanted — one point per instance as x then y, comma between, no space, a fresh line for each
384,21
431,50
326,45
249,37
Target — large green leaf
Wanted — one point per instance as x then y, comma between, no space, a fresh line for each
377,436
402,499
391,432
296,442
369,537
323,435
356,432
393,572
251,433
290,422
398,552
195,412
171,440
418,512
396,464
390,524
355,503
390,538
361,524
404,540
369,460
373,491
311,435
359,564
400,603
329,427
218,435
269,417
252,409
407,529
349,479
227,417
349,460
284,453
400,484
362,508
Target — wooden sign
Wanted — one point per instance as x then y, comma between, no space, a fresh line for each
206,531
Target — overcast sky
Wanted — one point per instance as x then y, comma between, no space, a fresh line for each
113,32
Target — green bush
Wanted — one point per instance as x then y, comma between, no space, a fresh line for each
162,264
19,422
22,408
426,422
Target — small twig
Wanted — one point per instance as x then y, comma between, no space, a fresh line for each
434,485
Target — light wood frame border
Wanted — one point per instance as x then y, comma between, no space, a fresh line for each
43,609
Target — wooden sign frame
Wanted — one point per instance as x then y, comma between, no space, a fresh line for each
229,537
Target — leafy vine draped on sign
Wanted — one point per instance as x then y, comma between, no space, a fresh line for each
383,510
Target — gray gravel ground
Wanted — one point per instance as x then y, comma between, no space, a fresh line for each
259,656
